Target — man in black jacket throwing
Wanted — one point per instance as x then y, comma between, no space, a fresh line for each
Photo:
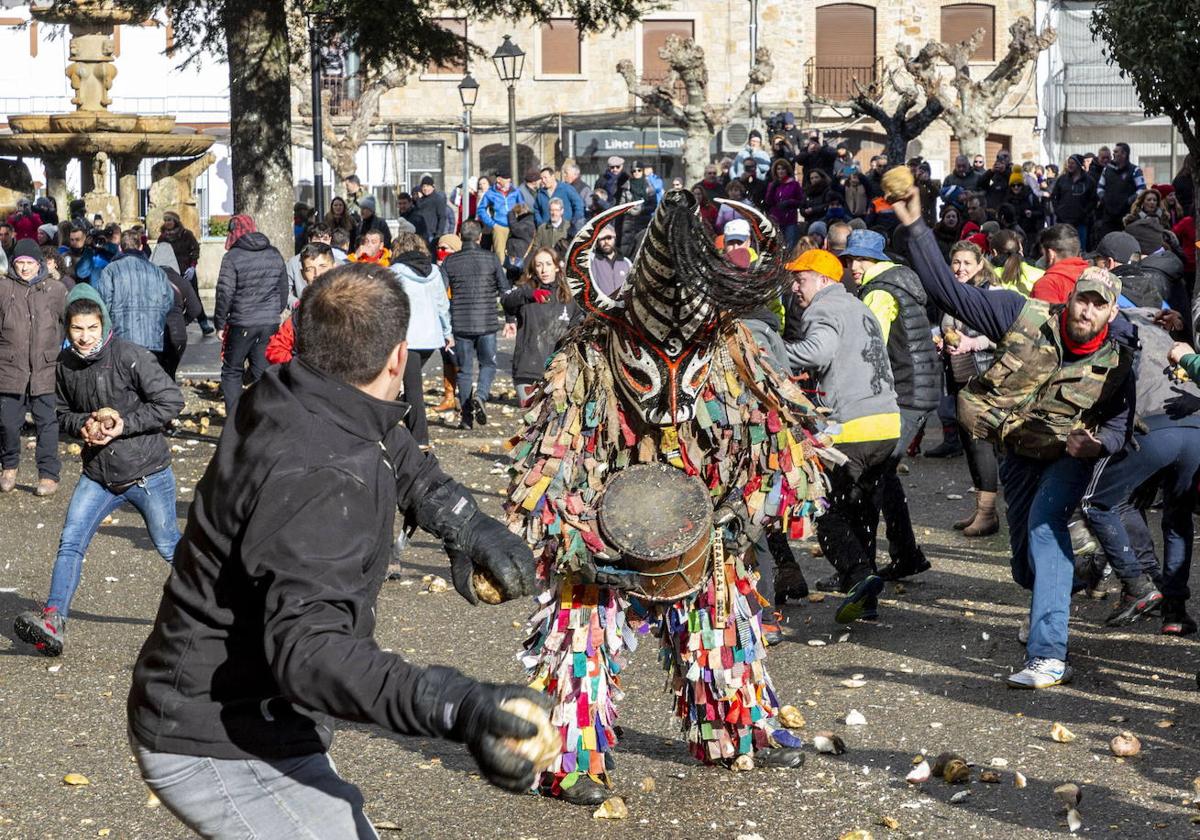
265,628
1059,396
115,397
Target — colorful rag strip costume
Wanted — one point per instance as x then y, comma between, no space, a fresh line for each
662,374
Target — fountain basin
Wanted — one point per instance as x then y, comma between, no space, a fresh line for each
81,121
142,144
93,12
29,123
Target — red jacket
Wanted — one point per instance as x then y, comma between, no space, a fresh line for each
1056,285
25,227
282,345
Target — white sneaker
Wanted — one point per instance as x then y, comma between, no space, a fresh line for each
1023,631
1041,673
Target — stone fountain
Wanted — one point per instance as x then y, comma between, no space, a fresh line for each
100,138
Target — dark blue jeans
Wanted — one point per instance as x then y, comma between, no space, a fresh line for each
468,349
243,345
154,498
1170,456
1041,496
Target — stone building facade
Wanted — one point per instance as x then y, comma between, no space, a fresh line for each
572,104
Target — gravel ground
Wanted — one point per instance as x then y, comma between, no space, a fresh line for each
931,674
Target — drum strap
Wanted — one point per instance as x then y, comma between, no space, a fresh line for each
720,585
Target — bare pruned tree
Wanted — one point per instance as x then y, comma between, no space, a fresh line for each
970,106
682,96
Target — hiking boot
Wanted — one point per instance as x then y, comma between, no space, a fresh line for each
1176,621
8,481
790,583
1083,541
986,522
1041,672
44,630
586,791
1138,597
854,605
950,447
46,487
477,412
908,567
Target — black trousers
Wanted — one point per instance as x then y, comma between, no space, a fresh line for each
414,395
902,542
846,531
45,418
242,345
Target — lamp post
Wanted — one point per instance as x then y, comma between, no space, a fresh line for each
468,92
510,61
314,60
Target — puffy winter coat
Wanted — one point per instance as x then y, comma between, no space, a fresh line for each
138,296
126,377
493,209
477,282
252,286
429,319
540,326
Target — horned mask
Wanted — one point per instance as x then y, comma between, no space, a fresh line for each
682,290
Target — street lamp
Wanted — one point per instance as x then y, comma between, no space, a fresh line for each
468,92
510,61
314,58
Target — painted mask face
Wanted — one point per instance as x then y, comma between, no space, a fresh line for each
665,321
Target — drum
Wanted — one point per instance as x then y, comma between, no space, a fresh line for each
661,521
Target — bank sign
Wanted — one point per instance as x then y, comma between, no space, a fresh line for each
645,142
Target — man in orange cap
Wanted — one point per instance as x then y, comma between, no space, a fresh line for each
841,348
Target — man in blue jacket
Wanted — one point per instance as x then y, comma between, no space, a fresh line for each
1059,396
553,188
137,294
493,208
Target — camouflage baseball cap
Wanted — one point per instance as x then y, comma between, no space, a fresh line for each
1101,281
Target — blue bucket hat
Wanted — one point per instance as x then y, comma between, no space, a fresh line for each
866,244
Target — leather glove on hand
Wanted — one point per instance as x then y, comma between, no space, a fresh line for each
485,544
482,725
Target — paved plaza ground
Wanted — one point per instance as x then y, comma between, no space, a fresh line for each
932,673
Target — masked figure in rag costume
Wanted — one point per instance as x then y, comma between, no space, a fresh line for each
660,448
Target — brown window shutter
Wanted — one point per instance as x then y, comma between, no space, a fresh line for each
992,145
845,48
960,21
457,65
654,37
560,48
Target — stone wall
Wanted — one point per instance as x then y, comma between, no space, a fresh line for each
722,28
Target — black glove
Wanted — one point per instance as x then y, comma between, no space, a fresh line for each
481,724
475,541
485,544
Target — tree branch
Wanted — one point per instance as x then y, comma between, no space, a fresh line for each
760,75
651,95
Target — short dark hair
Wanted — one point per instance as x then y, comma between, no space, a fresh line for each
1063,238
82,306
372,232
350,319
472,231
131,240
318,229
112,228
73,227
1124,146
404,197
341,238
315,250
7,225
549,169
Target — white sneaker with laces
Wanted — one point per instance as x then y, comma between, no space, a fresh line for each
1040,672
1023,631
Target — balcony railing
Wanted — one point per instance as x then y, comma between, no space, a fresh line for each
835,79
344,92
1093,90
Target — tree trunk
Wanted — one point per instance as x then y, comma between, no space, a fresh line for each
970,143
695,153
260,118
896,148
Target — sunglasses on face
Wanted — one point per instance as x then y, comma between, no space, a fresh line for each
618,166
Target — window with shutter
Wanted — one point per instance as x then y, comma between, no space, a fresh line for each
560,48
992,146
654,37
845,49
960,21
456,66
